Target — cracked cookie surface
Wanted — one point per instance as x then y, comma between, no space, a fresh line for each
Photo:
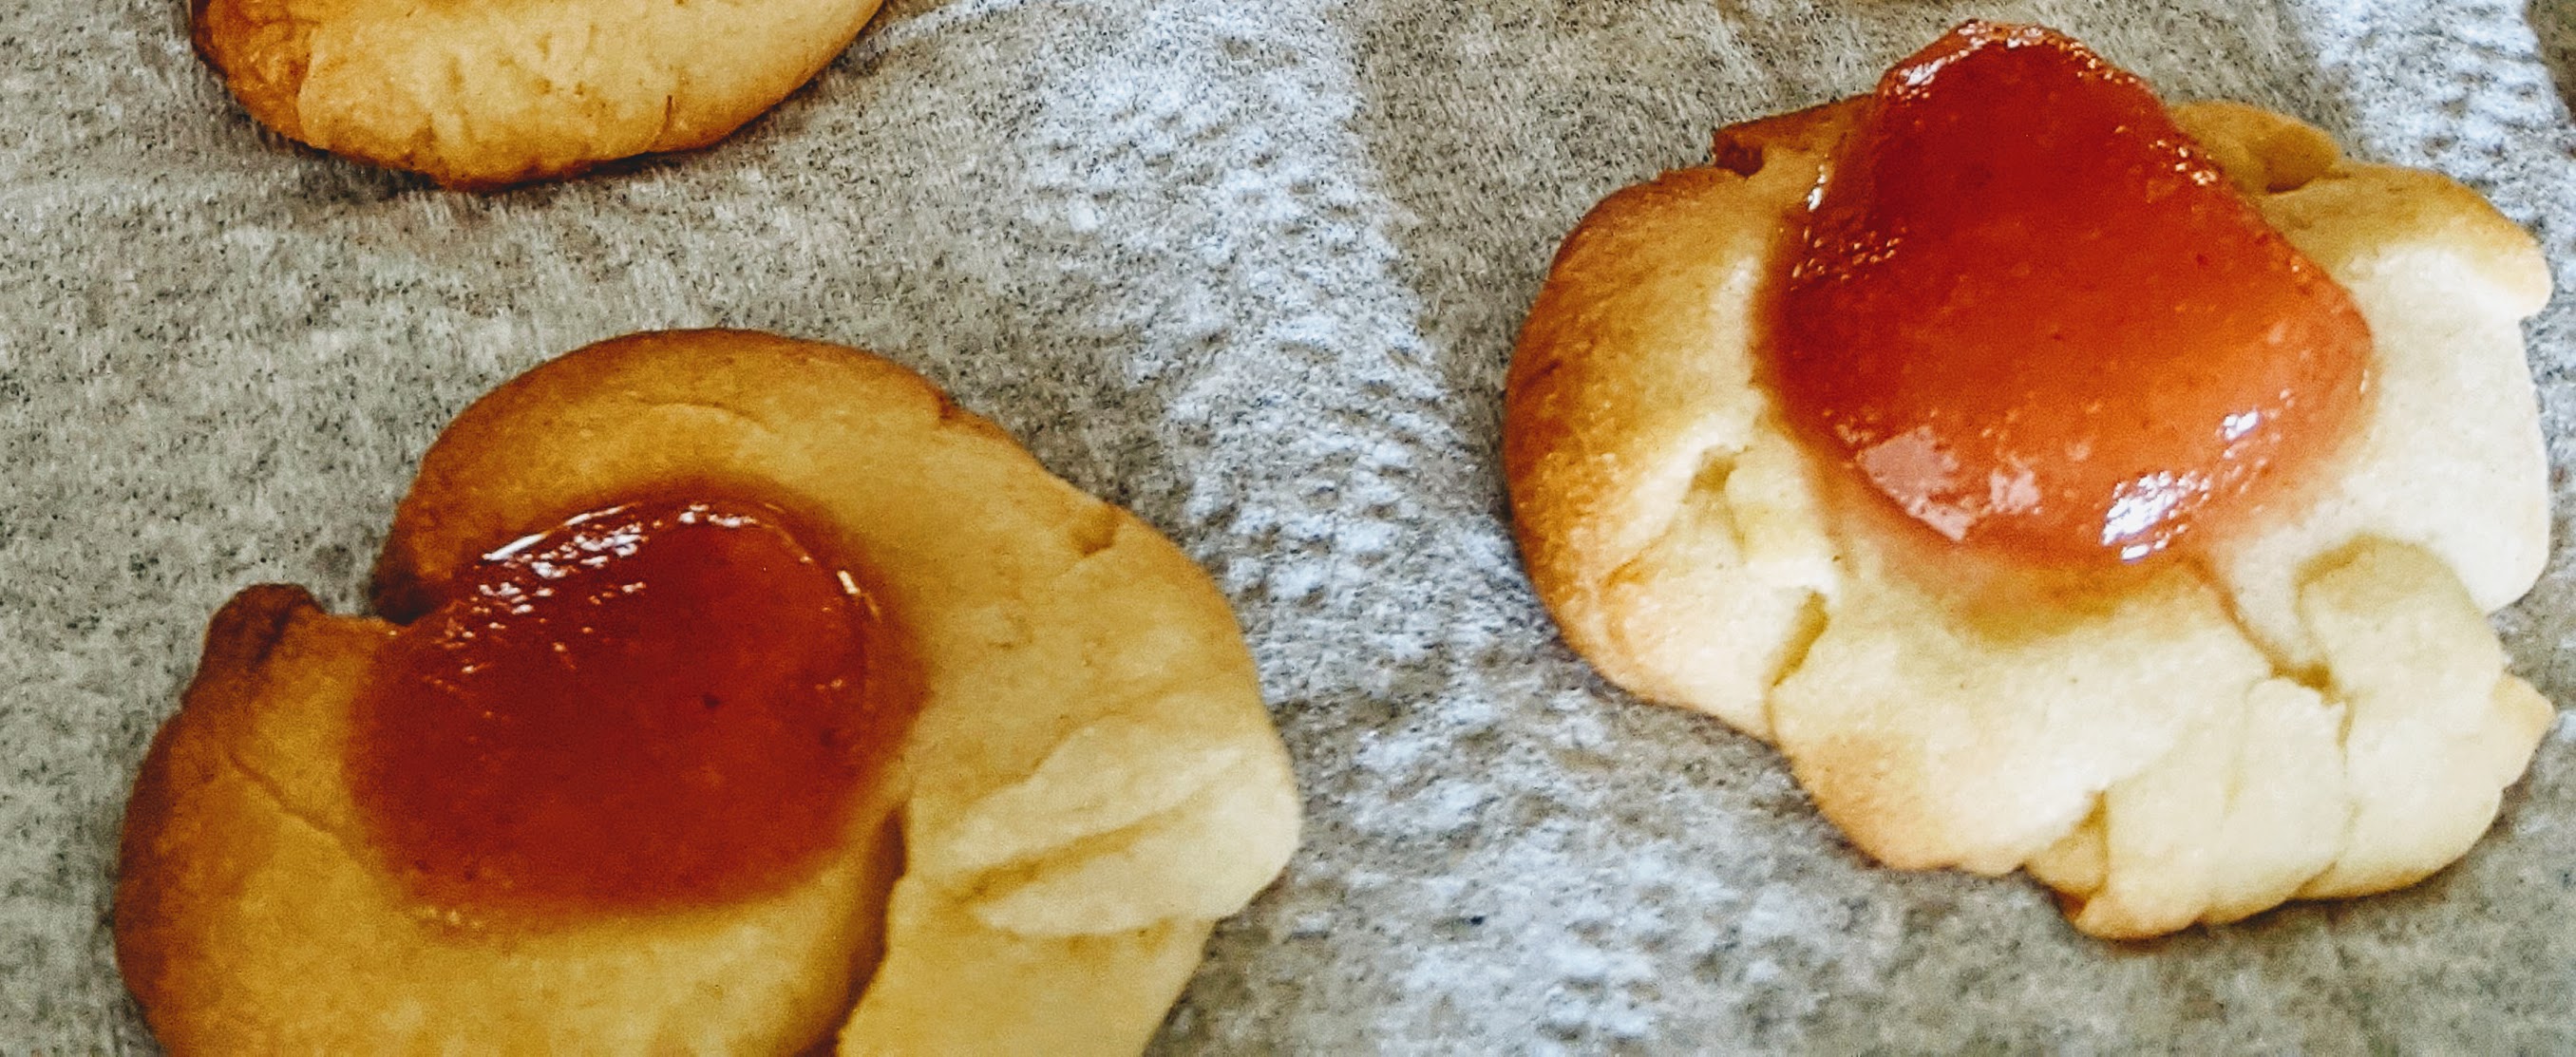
2315,709
481,93
1090,783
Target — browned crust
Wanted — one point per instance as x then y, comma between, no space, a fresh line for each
251,916
1631,347
494,123
461,505
259,51
1659,528
202,823
250,913
1590,407
153,887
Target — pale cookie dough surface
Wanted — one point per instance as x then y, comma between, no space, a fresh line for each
1253,271
489,92
2324,715
1091,782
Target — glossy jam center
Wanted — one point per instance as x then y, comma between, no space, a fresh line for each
651,707
2033,316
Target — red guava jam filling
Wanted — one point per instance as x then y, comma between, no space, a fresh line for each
651,707
2032,314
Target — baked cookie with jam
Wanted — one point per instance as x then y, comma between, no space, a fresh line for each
484,93
2060,481
727,694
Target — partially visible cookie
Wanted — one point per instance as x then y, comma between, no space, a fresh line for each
1087,781
494,92
2314,707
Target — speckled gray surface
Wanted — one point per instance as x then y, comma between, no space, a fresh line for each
1254,272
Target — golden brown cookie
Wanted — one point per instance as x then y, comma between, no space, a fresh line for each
1089,780
492,92
2314,708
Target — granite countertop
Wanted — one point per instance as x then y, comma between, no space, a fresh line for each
1254,272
